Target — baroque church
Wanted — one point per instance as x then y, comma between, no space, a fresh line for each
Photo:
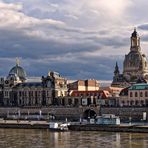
135,66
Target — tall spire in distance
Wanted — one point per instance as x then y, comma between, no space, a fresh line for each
116,71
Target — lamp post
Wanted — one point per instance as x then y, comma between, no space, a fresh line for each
8,114
130,117
40,114
19,114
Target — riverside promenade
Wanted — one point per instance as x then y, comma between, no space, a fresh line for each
24,124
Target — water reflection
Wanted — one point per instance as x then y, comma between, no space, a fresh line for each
26,138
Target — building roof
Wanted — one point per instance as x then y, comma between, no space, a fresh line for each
102,93
29,84
19,71
141,86
124,92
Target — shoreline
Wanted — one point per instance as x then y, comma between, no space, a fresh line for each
110,128
26,124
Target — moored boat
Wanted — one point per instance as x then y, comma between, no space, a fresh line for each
58,126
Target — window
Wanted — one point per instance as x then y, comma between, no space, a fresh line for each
69,101
131,94
142,102
128,103
141,94
136,95
123,102
131,102
136,103
146,95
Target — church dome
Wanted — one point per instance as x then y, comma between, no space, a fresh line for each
18,71
135,63
134,60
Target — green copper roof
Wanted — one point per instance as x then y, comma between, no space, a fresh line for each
19,71
141,86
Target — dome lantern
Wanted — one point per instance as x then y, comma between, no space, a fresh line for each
18,71
135,41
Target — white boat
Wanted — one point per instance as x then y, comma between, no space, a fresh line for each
58,126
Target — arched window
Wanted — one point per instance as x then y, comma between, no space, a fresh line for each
131,94
141,94
131,102
69,101
136,94
136,102
146,94
142,102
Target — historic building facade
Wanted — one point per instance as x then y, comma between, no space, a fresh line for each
15,90
84,85
136,95
135,66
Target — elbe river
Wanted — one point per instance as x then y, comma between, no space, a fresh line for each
33,138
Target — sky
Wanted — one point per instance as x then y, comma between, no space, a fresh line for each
80,39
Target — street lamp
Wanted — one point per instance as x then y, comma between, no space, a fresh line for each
40,114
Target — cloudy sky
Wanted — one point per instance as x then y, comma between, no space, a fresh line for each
80,39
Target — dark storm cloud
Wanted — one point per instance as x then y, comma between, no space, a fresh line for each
113,41
143,26
76,39
99,67
15,43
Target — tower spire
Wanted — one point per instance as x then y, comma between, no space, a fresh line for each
17,61
135,41
116,71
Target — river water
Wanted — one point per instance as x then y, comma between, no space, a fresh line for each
33,138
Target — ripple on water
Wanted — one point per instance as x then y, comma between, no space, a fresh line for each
31,138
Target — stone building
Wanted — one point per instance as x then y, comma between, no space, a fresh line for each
84,85
136,95
89,98
15,90
135,65
59,85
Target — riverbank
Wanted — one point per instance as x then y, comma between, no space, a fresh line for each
24,124
110,128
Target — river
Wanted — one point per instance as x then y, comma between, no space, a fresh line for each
33,138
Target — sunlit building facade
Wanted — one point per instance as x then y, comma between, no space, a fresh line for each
15,90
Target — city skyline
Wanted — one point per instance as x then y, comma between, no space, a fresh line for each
78,39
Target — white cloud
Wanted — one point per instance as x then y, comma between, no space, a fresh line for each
11,6
63,32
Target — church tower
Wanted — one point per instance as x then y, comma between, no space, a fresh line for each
135,66
135,41
135,63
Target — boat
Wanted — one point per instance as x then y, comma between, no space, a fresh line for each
108,119
58,126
